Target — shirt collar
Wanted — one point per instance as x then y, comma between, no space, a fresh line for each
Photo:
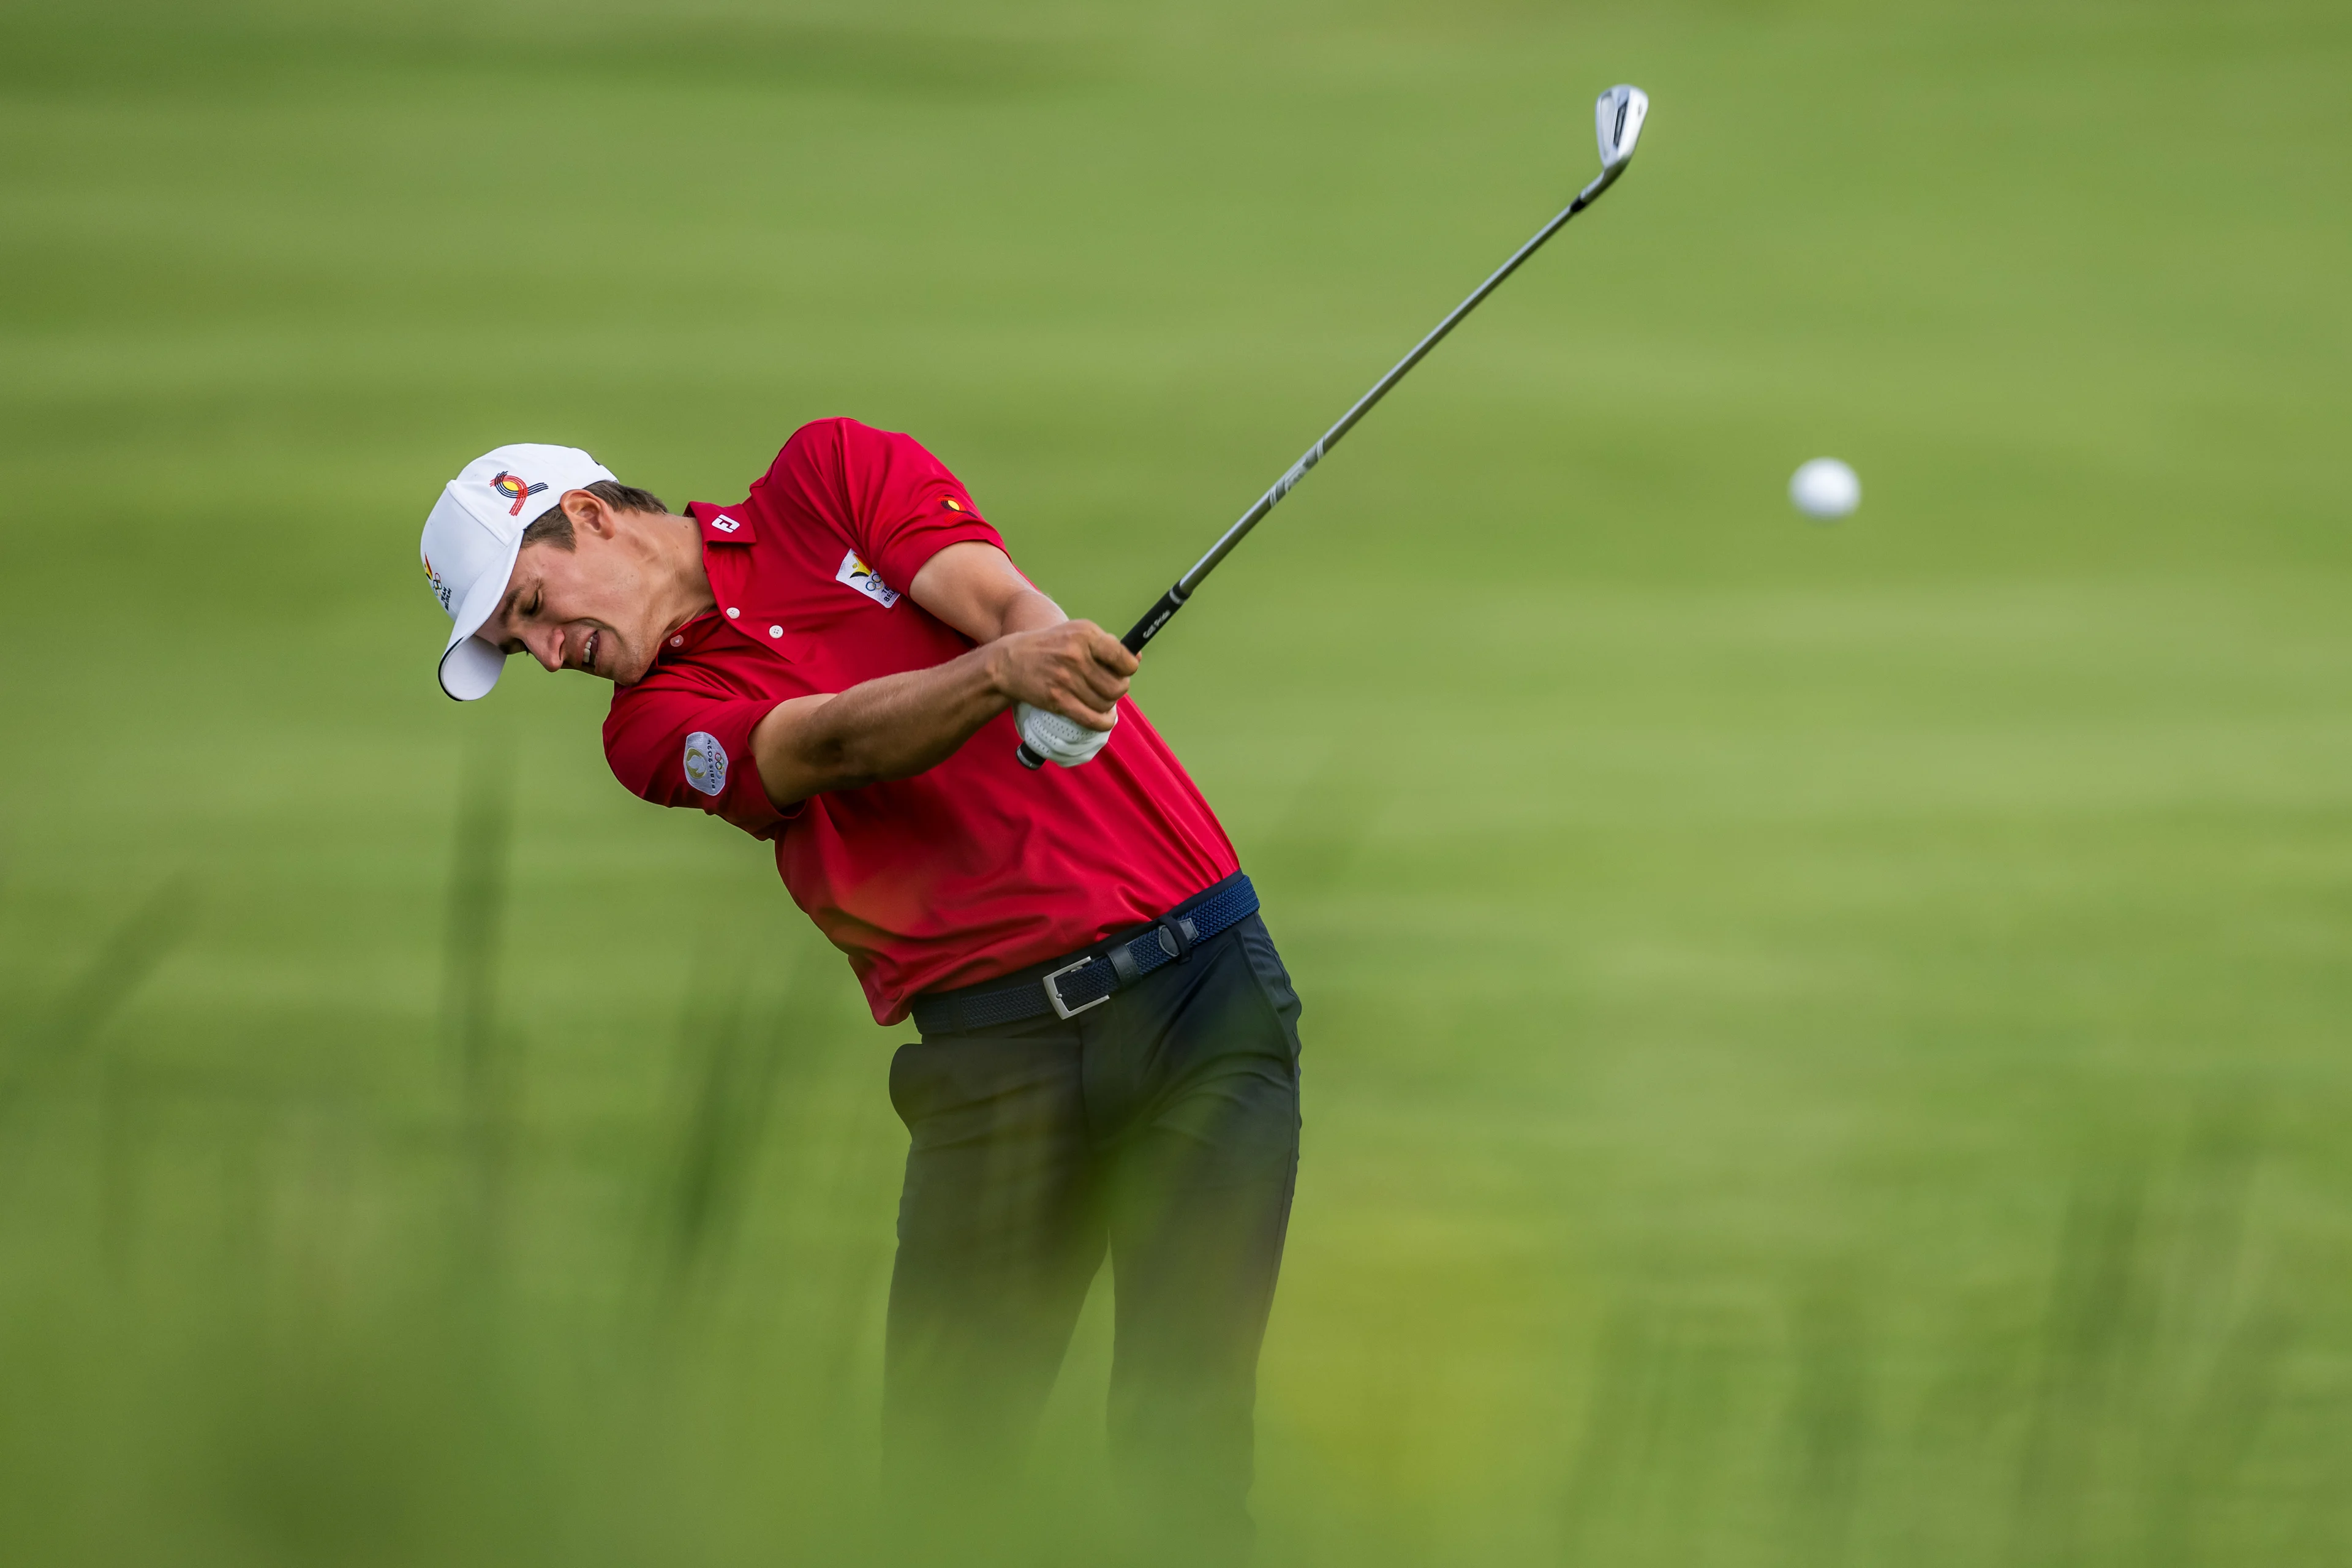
723,524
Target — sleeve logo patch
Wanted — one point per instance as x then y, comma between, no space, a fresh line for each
860,577
725,524
706,763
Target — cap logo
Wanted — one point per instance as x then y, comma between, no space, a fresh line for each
515,489
440,589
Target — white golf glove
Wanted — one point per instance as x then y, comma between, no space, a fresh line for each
1059,740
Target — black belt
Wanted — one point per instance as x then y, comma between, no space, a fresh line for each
1085,979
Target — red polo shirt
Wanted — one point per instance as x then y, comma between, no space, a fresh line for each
972,869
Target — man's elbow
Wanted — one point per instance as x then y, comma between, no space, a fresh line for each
791,781
802,750
822,765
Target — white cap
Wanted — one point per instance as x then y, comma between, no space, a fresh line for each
471,539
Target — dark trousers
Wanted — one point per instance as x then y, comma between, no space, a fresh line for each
1161,1127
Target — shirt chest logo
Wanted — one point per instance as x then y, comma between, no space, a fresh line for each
861,577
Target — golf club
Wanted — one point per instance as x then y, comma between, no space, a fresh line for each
1618,118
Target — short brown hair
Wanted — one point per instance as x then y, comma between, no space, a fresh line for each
551,527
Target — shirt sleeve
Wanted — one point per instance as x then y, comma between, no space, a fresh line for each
899,504
676,744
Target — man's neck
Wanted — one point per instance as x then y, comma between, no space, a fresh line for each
681,583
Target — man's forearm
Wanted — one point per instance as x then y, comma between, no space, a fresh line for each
889,728
901,724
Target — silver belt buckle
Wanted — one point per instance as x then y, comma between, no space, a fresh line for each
1053,994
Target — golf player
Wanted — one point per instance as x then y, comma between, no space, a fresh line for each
840,664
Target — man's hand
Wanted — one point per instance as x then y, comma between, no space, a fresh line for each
1077,669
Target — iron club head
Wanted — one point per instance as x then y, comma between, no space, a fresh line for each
1618,117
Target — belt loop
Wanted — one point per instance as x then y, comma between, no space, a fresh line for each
1175,937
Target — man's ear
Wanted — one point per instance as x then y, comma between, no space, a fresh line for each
588,514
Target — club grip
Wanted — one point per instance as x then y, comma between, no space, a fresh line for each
1029,759
1144,630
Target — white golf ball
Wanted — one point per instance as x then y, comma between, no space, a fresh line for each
1825,487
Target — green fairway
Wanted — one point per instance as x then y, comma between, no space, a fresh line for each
1825,1044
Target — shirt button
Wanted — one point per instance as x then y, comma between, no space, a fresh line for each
732,613
678,642
775,631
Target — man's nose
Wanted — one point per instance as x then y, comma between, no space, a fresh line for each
547,647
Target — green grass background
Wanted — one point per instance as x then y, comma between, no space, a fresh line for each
1826,1044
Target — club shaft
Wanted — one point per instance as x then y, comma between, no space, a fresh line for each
1173,600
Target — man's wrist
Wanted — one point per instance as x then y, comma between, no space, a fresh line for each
996,672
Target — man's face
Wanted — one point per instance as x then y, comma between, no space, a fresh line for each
586,608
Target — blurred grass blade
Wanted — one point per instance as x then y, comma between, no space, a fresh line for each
2086,1334
727,1065
121,965
1829,1415
474,926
